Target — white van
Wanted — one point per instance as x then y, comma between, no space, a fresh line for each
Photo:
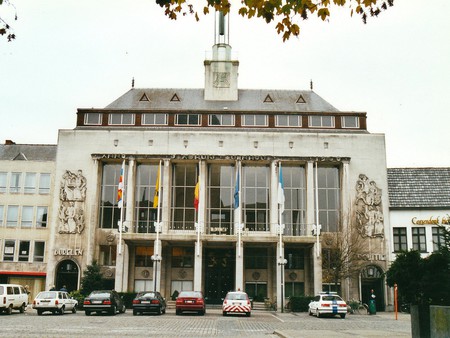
13,296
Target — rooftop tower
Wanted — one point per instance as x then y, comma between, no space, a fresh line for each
221,72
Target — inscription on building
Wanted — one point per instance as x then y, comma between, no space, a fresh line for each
432,221
68,252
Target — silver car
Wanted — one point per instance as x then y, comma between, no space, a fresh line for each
56,302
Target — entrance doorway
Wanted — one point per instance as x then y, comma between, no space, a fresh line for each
219,274
372,279
67,274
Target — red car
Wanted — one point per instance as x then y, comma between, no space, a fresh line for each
191,301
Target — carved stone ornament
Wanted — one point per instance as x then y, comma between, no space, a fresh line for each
110,237
145,273
292,276
109,273
182,274
256,275
72,194
369,214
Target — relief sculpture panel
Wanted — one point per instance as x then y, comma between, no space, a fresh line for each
369,211
72,194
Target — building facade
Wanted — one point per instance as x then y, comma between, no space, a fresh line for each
26,190
221,188
419,204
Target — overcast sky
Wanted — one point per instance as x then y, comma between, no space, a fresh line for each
81,54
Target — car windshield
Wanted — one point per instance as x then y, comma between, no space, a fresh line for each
47,295
98,294
237,296
146,294
331,298
195,294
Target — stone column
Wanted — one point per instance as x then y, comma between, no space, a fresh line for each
165,202
121,281
129,191
239,281
310,197
273,199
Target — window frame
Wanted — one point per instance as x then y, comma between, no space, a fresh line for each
220,117
188,119
24,257
9,255
41,223
145,116
45,180
419,239
29,184
16,178
288,124
38,258
87,121
112,116
3,181
400,239
437,234
254,117
322,125
344,124
9,222
27,216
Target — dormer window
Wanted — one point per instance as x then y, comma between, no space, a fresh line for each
121,119
321,121
188,119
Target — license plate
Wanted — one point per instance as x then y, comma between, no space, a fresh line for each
190,301
96,302
145,302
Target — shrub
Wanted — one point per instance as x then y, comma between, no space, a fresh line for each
300,303
128,298
78,296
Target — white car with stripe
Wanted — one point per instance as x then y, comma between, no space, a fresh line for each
236,302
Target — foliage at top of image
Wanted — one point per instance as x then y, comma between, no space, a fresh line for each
286,14
5,28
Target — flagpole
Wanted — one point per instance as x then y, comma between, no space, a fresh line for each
317,215
158,213
279,210
239,209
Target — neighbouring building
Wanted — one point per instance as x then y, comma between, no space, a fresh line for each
419,203
26,191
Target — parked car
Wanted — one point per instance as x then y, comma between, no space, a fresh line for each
104,301
191,301
237,302
56,302
13,296
327,303
149,301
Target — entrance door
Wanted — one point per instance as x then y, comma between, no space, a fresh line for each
67,274
372,279
219,274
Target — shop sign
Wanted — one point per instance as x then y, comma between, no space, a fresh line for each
68,252
438,220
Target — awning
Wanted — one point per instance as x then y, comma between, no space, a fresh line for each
24,273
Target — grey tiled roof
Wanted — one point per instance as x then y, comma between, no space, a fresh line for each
248,100
419,187
27,152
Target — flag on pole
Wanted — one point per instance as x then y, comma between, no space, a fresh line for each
121,187
156,195
196,194
236,191
280,189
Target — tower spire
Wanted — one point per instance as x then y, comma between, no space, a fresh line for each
221,71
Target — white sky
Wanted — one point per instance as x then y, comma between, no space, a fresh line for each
80,54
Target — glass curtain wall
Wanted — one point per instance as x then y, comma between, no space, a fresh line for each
185,178
221,194
109,210
255,197
329,202
145,210
295,201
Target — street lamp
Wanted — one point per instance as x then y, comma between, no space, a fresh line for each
155,258
282,262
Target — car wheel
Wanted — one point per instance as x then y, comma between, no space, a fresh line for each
178,312
202,313
342,315
39,312
224,313
248,314
74,309
87,313
160,311
22,308
9,310
310,312
135,313
122,309
164,310
317,314
113,311
61,311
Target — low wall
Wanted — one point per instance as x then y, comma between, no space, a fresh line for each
439,321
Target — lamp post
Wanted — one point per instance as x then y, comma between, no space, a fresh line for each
282,262
155,258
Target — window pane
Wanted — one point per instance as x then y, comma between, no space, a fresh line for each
3,176
8,251
44,183
350,122
109,211
30,183
15,183
12,215
92,118
24,251
41,217
39,249
115,118
27,216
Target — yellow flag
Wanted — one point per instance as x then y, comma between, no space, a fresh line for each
156,196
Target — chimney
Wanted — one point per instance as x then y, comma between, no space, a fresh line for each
9,142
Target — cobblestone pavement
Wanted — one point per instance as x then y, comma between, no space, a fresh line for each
213,324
